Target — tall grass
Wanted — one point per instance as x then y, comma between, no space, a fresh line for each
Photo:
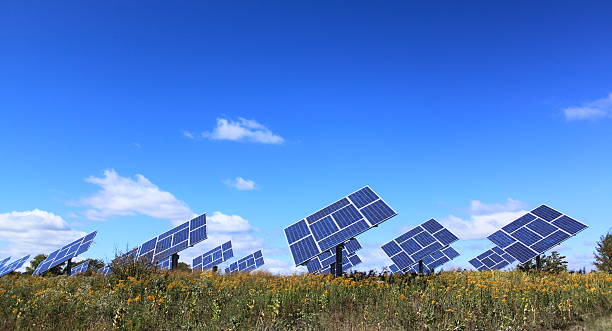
447,301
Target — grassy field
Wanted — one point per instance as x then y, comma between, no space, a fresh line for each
447,301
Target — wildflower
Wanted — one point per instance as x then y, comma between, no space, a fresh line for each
450,310
151,298
137,298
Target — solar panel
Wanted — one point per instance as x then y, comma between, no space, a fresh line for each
65,253
13,266
535,233
394,269
418,243
214,257
247,263
172,241
81,268
325,259
336,224
165,263
4,261
493,259
105,271
347,263
436,259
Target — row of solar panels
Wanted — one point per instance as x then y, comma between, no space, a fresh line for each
157,251
312,239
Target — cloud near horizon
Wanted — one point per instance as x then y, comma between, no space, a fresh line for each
593,110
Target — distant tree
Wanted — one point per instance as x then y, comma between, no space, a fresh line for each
554,263
57,270
603,254
183,266
95,264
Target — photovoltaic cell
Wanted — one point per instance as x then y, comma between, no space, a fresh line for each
105,271
535,233
436,259
79,269
3,262
347,263
419,243
172,241
214,257
336,224
492,259
13,266
165,263
65,253
247,263
325,259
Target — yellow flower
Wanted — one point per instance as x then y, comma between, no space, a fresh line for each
450,310
130,300
160,300
151,298
137,298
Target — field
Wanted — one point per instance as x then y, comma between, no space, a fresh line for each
175,300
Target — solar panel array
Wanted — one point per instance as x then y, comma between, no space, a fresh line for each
535,233
105,270
419,242
65,253
325,259
4,261
214,257
172,241
13,266
336,224
247,263
81,268
436,259
493,259
347,263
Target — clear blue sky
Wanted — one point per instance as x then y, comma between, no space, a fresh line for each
432,105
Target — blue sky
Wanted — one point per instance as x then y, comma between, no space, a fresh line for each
128,117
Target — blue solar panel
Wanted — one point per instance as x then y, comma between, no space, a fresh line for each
325,259
394,269
13,265
172,241
165,263
3,262
492,259
436,259
347,263
418,243
336,224
247,263
65,253
535,233
79,269
105,271
214,257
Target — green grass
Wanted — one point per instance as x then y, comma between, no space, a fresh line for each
447,301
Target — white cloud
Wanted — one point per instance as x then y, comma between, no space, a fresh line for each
34,232
478,207
124,196
479,226
243,130
188,134
591,110
241,184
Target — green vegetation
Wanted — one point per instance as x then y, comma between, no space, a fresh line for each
603,254
554,263
208,301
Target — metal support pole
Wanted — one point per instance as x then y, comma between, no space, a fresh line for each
420,266
68,267
332,270
215,269
538,263
338,263
175,258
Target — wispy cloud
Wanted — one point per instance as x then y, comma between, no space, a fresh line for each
241,184
593,110
123,196
479,207
189,134
242,130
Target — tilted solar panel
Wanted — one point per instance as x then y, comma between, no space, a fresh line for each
535,233
325,259
13,266
214,257
347,263
394,269
436,259
418,243
81,268
172,241
336,224
247,263
493,259
105,271
165,263
3,262
65,253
